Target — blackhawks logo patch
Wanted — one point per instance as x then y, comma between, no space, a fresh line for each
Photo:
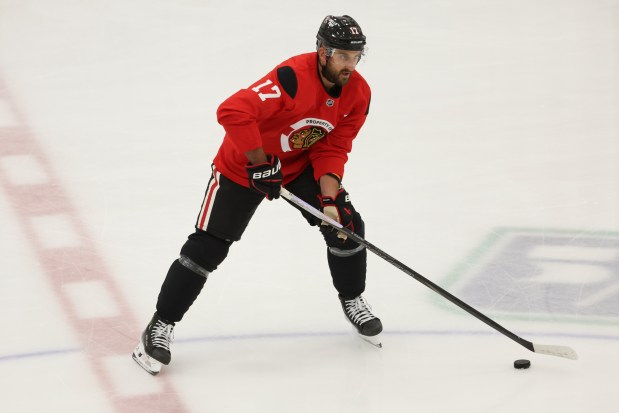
304,134
306,137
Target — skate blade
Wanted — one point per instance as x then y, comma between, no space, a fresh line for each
373,340
148,363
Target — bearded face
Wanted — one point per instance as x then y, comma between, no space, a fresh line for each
340,65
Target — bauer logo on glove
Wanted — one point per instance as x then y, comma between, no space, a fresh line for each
266,178
270,172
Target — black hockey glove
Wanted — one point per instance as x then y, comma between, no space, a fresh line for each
266,178
340,209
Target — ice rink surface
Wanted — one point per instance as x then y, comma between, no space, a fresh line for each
489,163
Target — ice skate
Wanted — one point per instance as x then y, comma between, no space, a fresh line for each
367,325
153,350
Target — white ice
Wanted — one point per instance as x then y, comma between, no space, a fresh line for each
489,164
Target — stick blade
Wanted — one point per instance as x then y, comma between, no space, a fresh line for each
559,351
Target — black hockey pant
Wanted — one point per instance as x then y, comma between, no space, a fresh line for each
226,211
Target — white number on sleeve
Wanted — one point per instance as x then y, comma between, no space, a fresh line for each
264,96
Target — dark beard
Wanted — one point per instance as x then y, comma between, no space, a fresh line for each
332,76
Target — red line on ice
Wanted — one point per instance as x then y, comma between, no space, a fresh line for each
100,337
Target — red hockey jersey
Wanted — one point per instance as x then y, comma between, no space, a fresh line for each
291,115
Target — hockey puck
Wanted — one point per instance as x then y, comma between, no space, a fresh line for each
522,364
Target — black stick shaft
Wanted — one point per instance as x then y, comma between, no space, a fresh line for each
439,290
382,254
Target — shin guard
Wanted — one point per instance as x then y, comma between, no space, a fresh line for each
348,271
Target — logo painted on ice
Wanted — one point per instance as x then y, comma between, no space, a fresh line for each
305,133
574,276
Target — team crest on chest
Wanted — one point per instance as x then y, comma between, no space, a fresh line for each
304,134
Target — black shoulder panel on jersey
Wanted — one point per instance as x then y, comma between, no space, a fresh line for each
367,111
288,79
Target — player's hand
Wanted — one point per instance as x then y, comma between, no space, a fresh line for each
339,209
266,178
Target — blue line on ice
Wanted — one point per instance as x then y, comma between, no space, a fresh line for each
391,332
292,335
45,353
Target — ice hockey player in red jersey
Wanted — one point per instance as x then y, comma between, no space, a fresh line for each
293,127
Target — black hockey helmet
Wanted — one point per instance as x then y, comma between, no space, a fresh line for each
340,32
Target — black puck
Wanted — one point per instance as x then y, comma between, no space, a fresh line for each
522,364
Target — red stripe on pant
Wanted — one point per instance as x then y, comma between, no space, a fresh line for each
207,205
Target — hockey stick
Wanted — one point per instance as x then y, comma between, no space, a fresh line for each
559,351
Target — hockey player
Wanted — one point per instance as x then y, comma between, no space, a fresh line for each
293,127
